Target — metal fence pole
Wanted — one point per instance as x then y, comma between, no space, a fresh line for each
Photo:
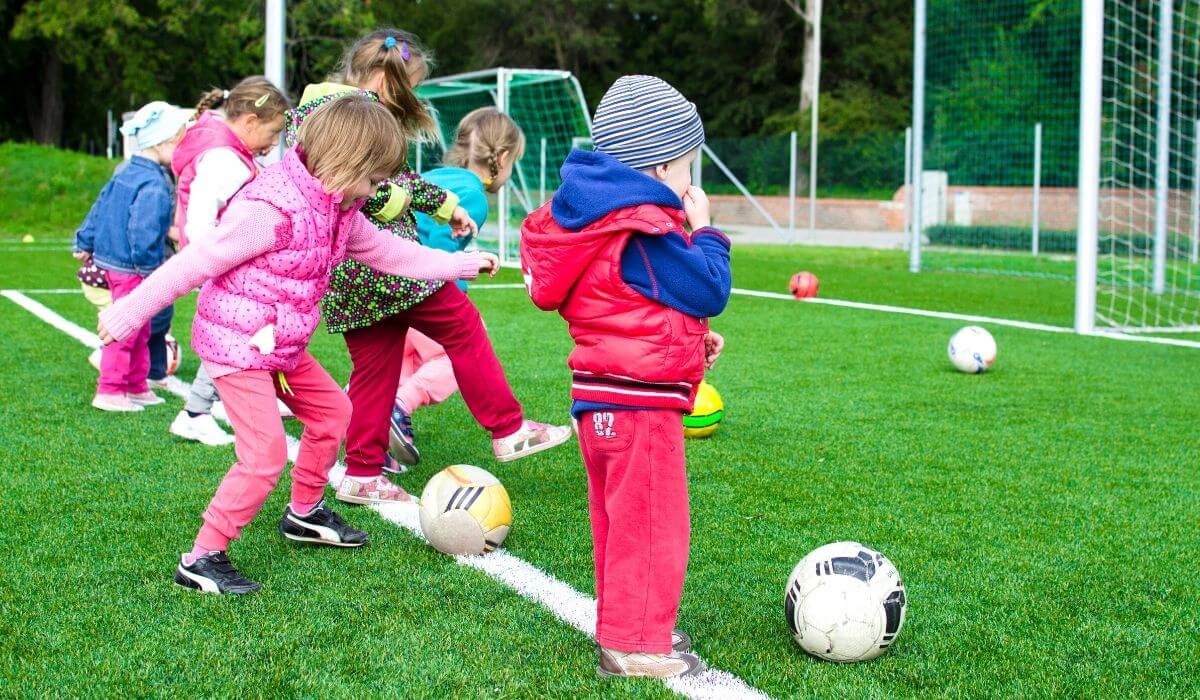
698,169
813,129
1091,70
108,134
419,150
1162,181
542,176
502,195
1037,184
792,146
908,190
1196,192
914,249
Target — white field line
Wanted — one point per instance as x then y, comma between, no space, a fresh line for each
72,290
968,317
525,579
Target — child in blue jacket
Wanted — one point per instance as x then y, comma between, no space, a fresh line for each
124,235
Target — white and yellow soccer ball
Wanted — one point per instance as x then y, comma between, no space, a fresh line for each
465,510
972,350
845,602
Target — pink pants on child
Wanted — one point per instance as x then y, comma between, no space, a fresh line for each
638,502
125,366
426,377
261,444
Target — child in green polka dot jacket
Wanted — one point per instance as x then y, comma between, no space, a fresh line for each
373,311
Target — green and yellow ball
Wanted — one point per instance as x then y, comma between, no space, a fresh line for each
706,415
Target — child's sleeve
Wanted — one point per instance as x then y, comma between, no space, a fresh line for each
690,277
426,197
397,256
219,175
85,235
149,219
247,230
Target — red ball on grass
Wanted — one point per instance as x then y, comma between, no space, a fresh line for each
804,285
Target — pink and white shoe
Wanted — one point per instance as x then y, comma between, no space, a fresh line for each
533,437
115,403
147,398
368,490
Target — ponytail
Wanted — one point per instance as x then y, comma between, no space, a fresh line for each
403,62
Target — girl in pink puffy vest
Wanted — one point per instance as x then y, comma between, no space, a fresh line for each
214,161
264,270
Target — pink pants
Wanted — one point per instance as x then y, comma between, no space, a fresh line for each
261,444
638,501
426,377
124,366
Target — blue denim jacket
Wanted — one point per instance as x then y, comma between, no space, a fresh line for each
126,229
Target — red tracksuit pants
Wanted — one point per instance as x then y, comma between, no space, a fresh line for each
638,500
377,353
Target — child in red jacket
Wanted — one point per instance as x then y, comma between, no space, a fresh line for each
611,253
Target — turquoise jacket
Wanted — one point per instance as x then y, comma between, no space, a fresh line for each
471,196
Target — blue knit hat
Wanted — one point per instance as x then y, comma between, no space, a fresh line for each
643,122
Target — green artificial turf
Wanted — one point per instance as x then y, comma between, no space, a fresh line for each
1042,515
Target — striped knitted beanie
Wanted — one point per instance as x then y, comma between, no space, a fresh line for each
643,122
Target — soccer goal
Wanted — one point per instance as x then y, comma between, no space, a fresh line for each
1060,140
1138,265
549,107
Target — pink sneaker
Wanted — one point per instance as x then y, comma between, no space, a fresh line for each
533,437
146,398
367,491
116,403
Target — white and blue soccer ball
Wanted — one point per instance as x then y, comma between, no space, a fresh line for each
845,602
972,350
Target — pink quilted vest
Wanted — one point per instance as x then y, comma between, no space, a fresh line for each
282,287
210,131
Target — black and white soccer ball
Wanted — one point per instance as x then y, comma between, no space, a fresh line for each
845,602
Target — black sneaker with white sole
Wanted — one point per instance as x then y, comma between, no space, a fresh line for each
321,526
214,573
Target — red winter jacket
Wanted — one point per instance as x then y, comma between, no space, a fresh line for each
629,350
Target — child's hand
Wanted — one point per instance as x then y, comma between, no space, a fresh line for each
83,256
695,205
714,343
105,336
489,263
461,224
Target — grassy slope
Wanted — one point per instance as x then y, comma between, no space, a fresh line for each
1043,515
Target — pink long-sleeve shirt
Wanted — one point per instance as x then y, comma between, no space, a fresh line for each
253,228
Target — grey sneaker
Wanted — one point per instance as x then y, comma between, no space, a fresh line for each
615,663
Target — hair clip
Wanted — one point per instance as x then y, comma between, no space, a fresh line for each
389,42
404,54
262,100
224,94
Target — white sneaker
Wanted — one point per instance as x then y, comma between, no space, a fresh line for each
624,663
147,398
117,403
371,490
203,428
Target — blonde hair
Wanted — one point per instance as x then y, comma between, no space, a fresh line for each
350,138
254,95
483,136
386,50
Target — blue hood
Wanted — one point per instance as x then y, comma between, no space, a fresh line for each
595,185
